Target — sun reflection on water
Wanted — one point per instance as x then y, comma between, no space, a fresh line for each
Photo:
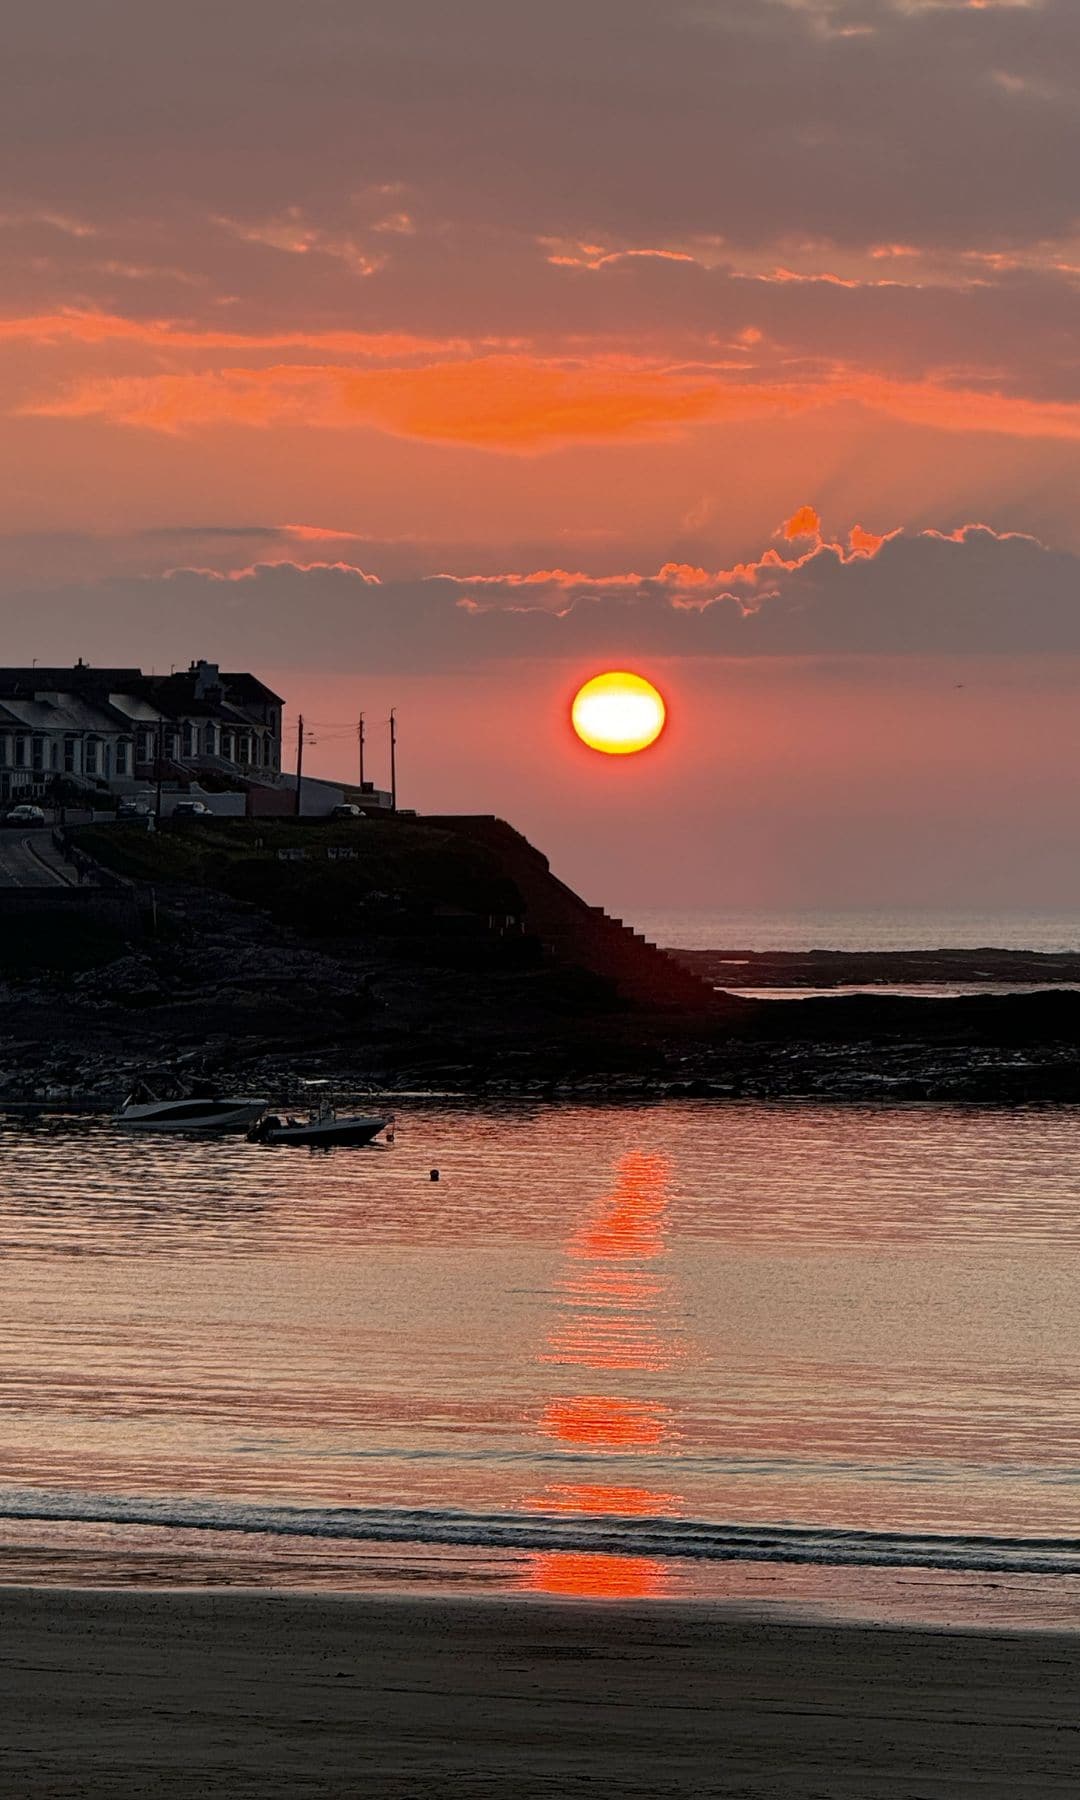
587,1575
601,1421
615,1311
630,1222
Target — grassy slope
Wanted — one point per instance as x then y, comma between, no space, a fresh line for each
407,866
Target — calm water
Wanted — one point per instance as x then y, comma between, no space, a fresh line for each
921,990
786,1353
908,929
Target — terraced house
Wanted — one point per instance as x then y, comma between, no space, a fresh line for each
104,731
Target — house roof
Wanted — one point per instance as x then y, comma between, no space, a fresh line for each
247,688
25,683
127,695
178,695
134,710
69,713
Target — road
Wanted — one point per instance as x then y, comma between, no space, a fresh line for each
28,859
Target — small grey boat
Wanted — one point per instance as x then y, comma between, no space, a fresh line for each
323,1128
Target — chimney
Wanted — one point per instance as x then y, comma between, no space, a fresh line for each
207,678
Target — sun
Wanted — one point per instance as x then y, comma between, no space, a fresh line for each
618,713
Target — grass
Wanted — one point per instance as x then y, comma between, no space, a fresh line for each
401,867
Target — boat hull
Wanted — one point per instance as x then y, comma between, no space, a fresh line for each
325,1134
187,1116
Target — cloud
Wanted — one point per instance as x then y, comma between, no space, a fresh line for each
81,325
764,120
502,402
283,566
743,252
524,403
804,523
557,227
967,591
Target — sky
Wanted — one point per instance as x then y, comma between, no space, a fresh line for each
441,356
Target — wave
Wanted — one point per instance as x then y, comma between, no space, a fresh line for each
608,1534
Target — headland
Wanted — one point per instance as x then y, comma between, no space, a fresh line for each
397,953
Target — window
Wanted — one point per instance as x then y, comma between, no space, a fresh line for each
54,753
190,741
5,748
92,756
38,753
21,753
146,746
122,749
227,747
244,752
69,756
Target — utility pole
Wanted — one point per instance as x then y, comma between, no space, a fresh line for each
393,760
160,763
299,759
360,745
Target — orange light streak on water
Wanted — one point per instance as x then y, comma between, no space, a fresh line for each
604,1422
614,1323
586,1575
630,1224
606,1500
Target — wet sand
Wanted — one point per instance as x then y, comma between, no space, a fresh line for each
144,1694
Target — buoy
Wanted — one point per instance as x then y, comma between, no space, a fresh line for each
434,1174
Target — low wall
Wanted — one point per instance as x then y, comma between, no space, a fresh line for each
114,908
271,803
223,806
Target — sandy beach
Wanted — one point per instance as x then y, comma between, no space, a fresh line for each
115,1694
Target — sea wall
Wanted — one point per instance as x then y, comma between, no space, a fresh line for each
34,912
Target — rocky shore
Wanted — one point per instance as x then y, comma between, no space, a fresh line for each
735,968
235,1004
225,988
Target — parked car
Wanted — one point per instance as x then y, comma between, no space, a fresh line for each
25,815
131,808
347,809
190,809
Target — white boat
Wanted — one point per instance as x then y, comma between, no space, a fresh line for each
145,1110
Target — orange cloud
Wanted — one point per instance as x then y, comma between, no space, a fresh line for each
499,402
686,587
592,259
865,543
321,534
802,524
489,396
253,571
78,326
520,402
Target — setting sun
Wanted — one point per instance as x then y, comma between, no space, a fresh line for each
618,713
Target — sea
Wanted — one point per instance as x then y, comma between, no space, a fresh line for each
866,930
808,1358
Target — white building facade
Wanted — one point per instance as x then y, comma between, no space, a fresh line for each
114,730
